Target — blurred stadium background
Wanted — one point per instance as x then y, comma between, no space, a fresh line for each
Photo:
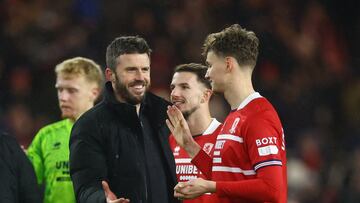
308,68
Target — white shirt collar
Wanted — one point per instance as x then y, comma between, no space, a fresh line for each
212,127
248,99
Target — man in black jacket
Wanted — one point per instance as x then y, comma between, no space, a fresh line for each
122,143
17,176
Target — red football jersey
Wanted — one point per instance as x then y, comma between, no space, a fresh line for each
251,138
185,170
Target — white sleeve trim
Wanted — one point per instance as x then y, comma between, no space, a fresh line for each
268,163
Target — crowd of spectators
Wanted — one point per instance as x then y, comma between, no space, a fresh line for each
308,68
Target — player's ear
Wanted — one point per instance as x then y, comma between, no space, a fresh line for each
109,75
95,91
206,95
229,61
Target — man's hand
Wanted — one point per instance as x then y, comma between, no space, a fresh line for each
110,196
194,188
181,132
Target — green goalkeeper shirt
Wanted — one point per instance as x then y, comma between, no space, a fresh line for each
49,154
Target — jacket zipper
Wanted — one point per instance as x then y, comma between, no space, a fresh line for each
144,160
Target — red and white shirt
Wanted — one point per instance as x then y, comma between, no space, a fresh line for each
185,170
250,141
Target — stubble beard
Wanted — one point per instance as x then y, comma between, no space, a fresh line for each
188,113
122,90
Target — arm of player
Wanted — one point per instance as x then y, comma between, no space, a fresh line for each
34,153
264,188
194,188
181,132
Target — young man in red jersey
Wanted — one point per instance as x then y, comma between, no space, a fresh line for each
191,93
249,159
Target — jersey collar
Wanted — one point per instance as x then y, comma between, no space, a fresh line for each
248,99
212,127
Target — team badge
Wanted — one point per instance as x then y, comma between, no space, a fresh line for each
207,147
233,127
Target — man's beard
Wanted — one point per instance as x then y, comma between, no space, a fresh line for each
188,113
123,92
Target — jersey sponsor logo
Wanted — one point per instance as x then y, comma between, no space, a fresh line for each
208,147
187,177
63,179
62,165
186,169
234,125
266,141
267,150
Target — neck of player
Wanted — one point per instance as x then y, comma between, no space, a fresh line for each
238,88
199,121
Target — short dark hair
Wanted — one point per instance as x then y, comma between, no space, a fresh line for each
125,45
198,69
234,41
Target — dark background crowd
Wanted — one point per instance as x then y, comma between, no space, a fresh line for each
308,68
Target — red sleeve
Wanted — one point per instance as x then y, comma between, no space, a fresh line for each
264,141
172,142
203,162
265,188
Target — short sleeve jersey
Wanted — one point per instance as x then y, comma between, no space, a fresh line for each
185,170
49,154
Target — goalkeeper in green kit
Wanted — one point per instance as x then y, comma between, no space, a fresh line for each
78,83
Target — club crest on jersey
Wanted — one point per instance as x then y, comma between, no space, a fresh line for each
207,147
234,125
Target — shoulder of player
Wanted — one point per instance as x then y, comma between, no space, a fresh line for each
263,117
257,106
54,127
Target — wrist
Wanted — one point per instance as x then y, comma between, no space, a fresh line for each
192,148
211,186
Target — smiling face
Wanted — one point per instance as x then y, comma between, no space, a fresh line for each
187,93
131,79
75,94
216,71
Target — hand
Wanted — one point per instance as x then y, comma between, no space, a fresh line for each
181,132
194,188
110,196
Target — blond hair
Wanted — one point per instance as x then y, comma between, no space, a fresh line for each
81,66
